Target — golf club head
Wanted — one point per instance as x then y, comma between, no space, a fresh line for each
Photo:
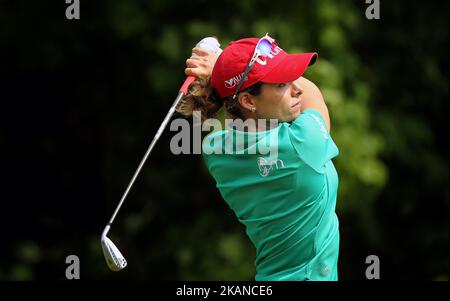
114,259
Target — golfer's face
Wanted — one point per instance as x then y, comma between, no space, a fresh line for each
280,101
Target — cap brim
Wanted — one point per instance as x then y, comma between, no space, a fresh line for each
290,68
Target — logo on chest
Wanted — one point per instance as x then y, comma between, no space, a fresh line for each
265,167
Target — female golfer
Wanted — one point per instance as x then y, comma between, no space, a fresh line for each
286,199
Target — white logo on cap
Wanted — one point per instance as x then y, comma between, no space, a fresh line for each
232,82
262,61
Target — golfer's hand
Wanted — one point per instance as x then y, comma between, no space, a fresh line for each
201,64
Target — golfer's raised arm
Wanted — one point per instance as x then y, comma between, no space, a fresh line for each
312,99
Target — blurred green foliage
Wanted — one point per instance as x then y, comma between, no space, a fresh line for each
385,82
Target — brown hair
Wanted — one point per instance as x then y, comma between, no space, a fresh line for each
204,97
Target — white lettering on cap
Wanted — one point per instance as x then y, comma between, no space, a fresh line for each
232,82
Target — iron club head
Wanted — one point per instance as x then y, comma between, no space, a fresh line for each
114,259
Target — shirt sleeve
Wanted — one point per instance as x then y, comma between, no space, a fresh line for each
312,141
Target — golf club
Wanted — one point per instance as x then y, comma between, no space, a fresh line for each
114,258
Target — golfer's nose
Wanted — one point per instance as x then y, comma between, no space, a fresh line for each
296,90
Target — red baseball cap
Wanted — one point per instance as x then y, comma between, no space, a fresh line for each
278,67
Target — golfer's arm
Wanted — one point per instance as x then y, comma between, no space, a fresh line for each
312,99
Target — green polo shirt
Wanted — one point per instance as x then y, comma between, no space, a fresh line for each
285,197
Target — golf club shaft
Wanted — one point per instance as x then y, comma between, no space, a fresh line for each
155,139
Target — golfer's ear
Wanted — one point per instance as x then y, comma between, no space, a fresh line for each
246,101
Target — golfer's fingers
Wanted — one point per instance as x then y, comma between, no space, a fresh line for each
201,65
190,71
198,72
193,61
200,51
196,61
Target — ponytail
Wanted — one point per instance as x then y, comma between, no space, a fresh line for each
201,97
204,97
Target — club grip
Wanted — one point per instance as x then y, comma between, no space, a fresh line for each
184,88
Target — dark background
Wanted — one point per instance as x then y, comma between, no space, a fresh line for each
82,99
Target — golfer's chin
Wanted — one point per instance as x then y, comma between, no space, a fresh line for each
294,114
